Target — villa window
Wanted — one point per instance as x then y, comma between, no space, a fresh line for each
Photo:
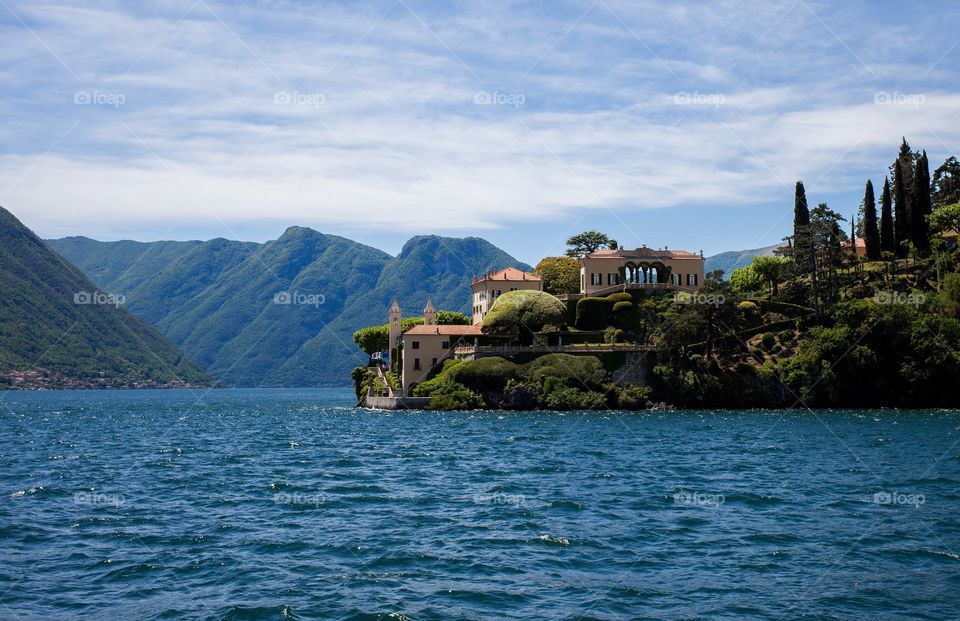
444,345
596,279
613,279
416,344
694,280
416,364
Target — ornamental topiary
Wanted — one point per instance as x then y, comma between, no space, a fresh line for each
622,306
485,374
574,370
623,296
592,313
768,340
522,313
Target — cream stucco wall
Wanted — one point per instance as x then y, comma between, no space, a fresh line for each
485,293
685,272
429,349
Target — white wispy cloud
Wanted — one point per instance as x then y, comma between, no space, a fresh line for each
367,115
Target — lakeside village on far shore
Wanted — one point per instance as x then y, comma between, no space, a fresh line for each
44,379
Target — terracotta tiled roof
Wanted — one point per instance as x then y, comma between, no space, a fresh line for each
511,273
642,252
446,329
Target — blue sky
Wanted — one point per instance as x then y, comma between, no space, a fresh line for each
664,123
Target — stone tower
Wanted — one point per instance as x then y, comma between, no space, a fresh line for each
429,314
394,322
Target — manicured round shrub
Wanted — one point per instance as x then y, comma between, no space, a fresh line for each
768,340
622,306
613,335
522,313
593,313
748,306
574,370
485,374
623,296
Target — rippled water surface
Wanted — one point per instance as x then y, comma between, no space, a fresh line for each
269,504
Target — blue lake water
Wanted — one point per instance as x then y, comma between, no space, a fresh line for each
280,504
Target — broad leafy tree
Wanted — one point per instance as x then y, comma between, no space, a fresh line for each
771,269
559,274
827,237
945,219
946,183
745,281
587,242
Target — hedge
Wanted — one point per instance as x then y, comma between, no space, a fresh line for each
592,313
485,374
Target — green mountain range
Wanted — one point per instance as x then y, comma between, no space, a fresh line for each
280,313
57,328
732,259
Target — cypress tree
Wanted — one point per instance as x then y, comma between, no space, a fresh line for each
901,212
887,243
920,206
802,241
853,236
871,235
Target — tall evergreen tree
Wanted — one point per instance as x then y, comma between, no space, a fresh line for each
902,179
920,206
887,242
871,234
853,237
802,241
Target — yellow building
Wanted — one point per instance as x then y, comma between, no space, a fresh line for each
424,346
488,287
606,271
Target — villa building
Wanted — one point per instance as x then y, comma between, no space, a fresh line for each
860,246
488,287
607,271
425,346
415,352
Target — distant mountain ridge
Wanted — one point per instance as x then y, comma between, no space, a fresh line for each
222,300
732,259
58,329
